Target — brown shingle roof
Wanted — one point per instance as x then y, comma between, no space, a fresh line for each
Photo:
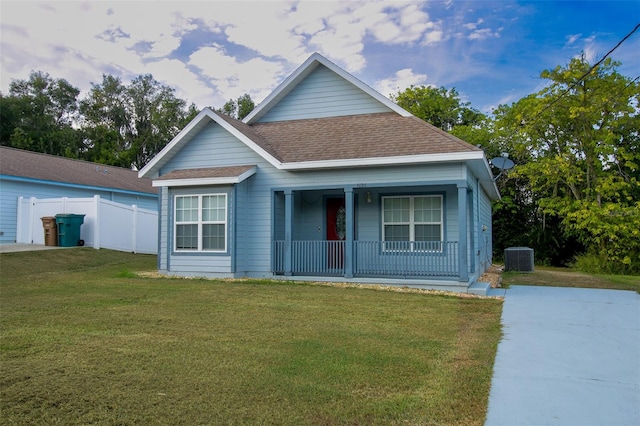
250,132
211,172
33,165
354,137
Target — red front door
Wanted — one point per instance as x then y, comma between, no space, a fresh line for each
336,231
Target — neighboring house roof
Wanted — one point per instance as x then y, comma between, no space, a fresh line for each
50,168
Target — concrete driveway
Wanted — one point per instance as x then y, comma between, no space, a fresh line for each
569,356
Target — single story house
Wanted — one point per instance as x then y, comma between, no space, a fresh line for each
328,180
31,174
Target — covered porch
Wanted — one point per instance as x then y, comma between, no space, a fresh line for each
408,233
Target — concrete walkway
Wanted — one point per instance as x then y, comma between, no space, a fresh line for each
569,356
13,248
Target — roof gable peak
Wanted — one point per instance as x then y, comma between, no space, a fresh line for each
302,72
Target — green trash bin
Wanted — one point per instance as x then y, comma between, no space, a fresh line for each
69,229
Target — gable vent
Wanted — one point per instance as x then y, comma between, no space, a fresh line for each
518,259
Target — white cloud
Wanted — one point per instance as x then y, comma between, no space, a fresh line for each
399,81
232,78
590,49
474,25
433,37
484,34
572,38
188,85
84,40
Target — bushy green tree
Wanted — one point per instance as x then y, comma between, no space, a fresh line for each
126,125
439,106
581,133
238,108
39,115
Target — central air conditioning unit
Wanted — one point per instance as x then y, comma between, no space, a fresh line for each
518,259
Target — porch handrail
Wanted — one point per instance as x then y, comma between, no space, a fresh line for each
371,258
406,258
316,257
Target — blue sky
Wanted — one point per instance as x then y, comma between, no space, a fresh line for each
492,52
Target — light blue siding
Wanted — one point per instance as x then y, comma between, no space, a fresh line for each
323,94
486,231
480,228
259,203
11,190
213,147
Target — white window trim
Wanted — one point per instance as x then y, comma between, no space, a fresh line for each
200,222
412,223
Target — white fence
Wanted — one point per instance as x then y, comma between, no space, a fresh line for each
106,224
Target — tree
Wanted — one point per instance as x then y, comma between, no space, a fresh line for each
39,114
581,133
238,108
441,107
128,125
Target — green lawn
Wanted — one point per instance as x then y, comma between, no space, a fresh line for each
565,277
85,340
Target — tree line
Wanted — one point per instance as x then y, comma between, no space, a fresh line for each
117,124
573,196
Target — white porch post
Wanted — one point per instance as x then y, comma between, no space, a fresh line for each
348,242
288,231
463,269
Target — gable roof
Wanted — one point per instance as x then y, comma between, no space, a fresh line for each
43,167
240,130
303,71
362,140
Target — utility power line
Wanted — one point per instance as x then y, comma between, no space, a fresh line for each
583,76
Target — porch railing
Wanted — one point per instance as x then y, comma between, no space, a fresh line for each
371,258
406,258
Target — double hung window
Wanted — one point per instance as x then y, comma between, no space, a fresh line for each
412,222
201,223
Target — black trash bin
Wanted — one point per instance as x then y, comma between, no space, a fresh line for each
69,229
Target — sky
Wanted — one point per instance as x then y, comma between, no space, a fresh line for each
491,52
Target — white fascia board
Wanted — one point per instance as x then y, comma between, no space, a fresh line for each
384,161
206,181
246,140
490,185
151,166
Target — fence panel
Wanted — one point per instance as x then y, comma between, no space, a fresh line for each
106,224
